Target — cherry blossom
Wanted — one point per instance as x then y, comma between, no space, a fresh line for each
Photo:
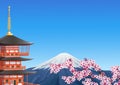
116,72
88,81
87,65
55,68
69,79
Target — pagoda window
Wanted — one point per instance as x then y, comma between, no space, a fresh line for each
14,66
11,81
13,76
18,66
16,51
6,67
7,62
6,76
12,62
20,80
7,81
11,51
18,62
7,51
20,76
20,84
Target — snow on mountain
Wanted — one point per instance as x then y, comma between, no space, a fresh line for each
59,59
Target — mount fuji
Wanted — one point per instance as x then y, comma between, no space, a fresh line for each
59,59
44,77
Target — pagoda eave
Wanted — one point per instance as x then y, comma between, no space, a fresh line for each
13,40
14,59
16,72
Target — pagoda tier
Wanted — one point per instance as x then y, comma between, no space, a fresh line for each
13,40
12,46
14,77
16,72
14,59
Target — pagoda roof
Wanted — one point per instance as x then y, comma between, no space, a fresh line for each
16,72
14,59
13,40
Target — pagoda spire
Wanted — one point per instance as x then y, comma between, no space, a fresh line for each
9,22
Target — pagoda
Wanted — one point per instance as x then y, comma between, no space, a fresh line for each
11,49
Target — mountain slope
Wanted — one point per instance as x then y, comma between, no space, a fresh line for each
44,77
59,59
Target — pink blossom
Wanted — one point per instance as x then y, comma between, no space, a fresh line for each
86,65
88,81
68,79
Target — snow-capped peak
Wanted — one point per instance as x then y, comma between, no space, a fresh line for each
59,59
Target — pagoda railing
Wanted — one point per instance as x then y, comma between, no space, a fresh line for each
3,54
26,83
13,68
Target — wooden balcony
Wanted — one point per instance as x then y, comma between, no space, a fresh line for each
13,68
14,54
24,54
6,51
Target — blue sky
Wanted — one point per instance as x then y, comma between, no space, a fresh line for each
83,28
